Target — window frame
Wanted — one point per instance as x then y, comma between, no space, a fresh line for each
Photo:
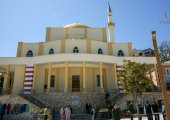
122,53
29,53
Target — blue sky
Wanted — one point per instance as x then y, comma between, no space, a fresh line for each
26,20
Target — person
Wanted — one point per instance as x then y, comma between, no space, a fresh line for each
163,111
92,112
131,110
62,113
155,110
116,112
1,111
45,113
71,109
141,111
110,107
67,113
149,112
107,97
87,108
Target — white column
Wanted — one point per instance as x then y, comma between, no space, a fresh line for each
101,75
6,78
49,75
66,77
84,77
34,77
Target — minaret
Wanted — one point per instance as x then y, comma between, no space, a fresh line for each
110,25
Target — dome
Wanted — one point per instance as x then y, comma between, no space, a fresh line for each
76,25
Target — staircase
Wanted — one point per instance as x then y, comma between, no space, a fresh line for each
80,117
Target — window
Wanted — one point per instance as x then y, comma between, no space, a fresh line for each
51,51
75,50
98,80
120,53
52,81
29,53
167,70
100,51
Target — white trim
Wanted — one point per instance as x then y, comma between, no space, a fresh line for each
27,83
28,73
28,78
29,69
27,88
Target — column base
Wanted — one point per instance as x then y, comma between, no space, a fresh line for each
84,90
65,90
102,90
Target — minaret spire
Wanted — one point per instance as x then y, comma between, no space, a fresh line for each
109,7
110,25
109,13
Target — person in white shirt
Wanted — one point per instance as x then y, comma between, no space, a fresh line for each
68,113
92,113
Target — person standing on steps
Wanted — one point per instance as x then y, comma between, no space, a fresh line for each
67,113
62,113
155,110
131,110
107,96
149,111
92,112
116,112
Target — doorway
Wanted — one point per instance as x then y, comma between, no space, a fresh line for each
75,83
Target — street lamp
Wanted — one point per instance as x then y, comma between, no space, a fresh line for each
160,71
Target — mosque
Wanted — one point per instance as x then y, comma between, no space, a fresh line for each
73,58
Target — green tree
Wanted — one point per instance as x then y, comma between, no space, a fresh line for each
136,79
1,80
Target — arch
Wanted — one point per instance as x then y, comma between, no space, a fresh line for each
51,51
29,53
75,50
120,53
100,51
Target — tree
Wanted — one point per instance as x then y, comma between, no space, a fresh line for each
1,80
135,79
164,49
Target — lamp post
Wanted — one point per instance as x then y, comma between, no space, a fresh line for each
160,71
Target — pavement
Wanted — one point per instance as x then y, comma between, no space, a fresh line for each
143,118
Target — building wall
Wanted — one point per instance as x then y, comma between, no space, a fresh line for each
40,78
95,34
30,46
56,34
95,45
76,33
56,45
120,46
70,44
61,78
111,83
89,79
19,76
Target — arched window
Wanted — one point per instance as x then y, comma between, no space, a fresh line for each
120,53
51,51
100,51
29,53
75,50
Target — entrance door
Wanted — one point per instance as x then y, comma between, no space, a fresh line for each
76,83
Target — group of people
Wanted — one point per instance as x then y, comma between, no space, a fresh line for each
7,108
66,113
149,109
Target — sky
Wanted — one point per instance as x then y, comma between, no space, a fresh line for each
26,20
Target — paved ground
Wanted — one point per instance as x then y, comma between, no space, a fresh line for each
143,118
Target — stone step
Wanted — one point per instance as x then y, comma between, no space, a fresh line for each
80,117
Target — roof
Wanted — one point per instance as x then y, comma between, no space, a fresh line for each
76,25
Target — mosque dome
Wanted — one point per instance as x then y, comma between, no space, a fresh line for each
76,25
